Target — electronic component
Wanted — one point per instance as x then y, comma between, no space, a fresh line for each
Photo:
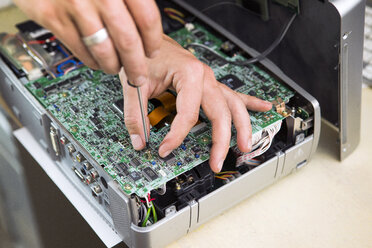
170,159
79,157
134,162
231,81
150,174
87,165
135,176
54,140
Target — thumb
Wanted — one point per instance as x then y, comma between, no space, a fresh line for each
132,112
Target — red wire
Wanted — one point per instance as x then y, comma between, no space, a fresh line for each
149,198
41,41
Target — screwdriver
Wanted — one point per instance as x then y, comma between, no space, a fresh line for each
142,112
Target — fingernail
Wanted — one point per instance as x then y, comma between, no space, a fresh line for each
219,166
141,80
268,104
136,141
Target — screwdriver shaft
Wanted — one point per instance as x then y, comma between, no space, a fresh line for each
143,116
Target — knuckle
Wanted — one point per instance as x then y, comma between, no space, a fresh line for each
192,118
73,3
194,67
151,19
129,41
131,123
47,14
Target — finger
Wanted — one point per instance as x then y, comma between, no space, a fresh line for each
132,113
254,103
218,113
126,39
73,42
215,107
240,118
147,18
88,23
189,88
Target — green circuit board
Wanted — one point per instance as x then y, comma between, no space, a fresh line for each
85,103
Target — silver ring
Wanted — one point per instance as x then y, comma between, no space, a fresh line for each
96,38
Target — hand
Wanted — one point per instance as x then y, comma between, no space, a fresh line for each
195,84
134,29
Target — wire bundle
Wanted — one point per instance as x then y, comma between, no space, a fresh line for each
224,175
145,211
175,15
261,147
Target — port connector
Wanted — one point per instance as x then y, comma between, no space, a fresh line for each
89,179
71,149
63,140
79,157
87,166
97,189
78,174
54,140
94,174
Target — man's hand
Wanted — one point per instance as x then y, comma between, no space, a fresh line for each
195,84
134,28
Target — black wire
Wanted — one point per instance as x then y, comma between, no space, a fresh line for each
226,3
259,57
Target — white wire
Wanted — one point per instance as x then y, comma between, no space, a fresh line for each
261,147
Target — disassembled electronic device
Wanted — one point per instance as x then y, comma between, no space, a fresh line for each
79,121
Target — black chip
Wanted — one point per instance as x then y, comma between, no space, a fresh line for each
196,149
272,94
96,109
261,77
63,83
135,162
209,56
252,93
265,88
74,78
126,172
49,88
170,159
200,131
98,134
199,34
231,81
221,62
99,126
95,121
114,138
188,160
135,176
150,173
122,166
130,155
75,109
37,85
